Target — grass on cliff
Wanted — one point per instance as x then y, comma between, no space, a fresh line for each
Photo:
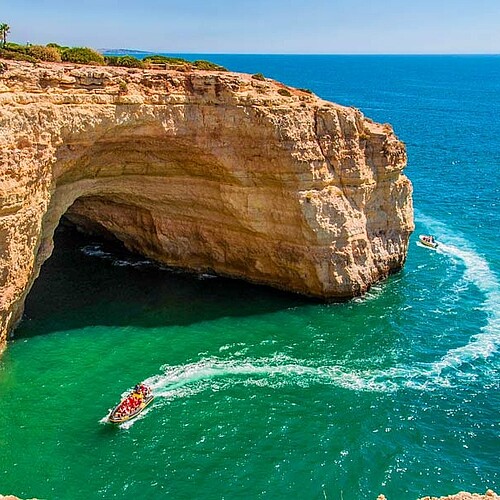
52,52
181,64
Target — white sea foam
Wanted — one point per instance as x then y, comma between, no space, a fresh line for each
477,272
275,372
282,371
215,374
374,293
133,263
95,250
104,420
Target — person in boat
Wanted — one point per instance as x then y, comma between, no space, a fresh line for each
144,390
137,395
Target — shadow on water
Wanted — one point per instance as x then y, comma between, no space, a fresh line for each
91,281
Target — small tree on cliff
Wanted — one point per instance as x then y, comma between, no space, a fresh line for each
4,29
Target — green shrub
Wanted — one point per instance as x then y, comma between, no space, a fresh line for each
15,47
284,92
259,76
111,60
32,53
44,53
307,91
124,61
207,65
156,59
57,46
130,62
16,56
180,64
82,55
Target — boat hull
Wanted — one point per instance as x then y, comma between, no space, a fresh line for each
114,419
427,243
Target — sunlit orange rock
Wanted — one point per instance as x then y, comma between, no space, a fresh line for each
200,170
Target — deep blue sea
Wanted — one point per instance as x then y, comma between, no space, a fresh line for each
261,394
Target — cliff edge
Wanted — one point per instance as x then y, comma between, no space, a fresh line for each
201,170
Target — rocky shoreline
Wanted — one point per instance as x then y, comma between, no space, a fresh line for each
462,495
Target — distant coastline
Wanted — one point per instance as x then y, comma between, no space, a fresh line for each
124,51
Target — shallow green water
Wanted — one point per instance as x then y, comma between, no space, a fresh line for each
262,394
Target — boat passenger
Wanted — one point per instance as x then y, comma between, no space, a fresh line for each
145,390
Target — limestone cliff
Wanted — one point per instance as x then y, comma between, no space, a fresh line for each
202,170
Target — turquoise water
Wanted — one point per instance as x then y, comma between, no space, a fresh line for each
262,394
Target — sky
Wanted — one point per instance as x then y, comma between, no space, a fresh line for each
261,26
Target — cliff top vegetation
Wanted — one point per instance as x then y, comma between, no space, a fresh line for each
53,52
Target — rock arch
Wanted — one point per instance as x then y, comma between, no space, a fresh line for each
201,170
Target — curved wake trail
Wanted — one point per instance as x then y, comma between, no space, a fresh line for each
276,372
281,371
477,272
485,343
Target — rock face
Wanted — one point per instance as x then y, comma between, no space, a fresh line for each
464,495
201,170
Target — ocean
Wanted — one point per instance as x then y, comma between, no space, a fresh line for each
263,394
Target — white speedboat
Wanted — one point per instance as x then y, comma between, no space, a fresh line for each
428,240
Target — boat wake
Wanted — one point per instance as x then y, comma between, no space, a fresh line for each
281,371
276,372
484,343
478,273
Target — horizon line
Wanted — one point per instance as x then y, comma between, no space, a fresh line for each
308,53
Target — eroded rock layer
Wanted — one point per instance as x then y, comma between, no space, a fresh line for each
203,170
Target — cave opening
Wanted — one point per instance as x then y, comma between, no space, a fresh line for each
92,279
